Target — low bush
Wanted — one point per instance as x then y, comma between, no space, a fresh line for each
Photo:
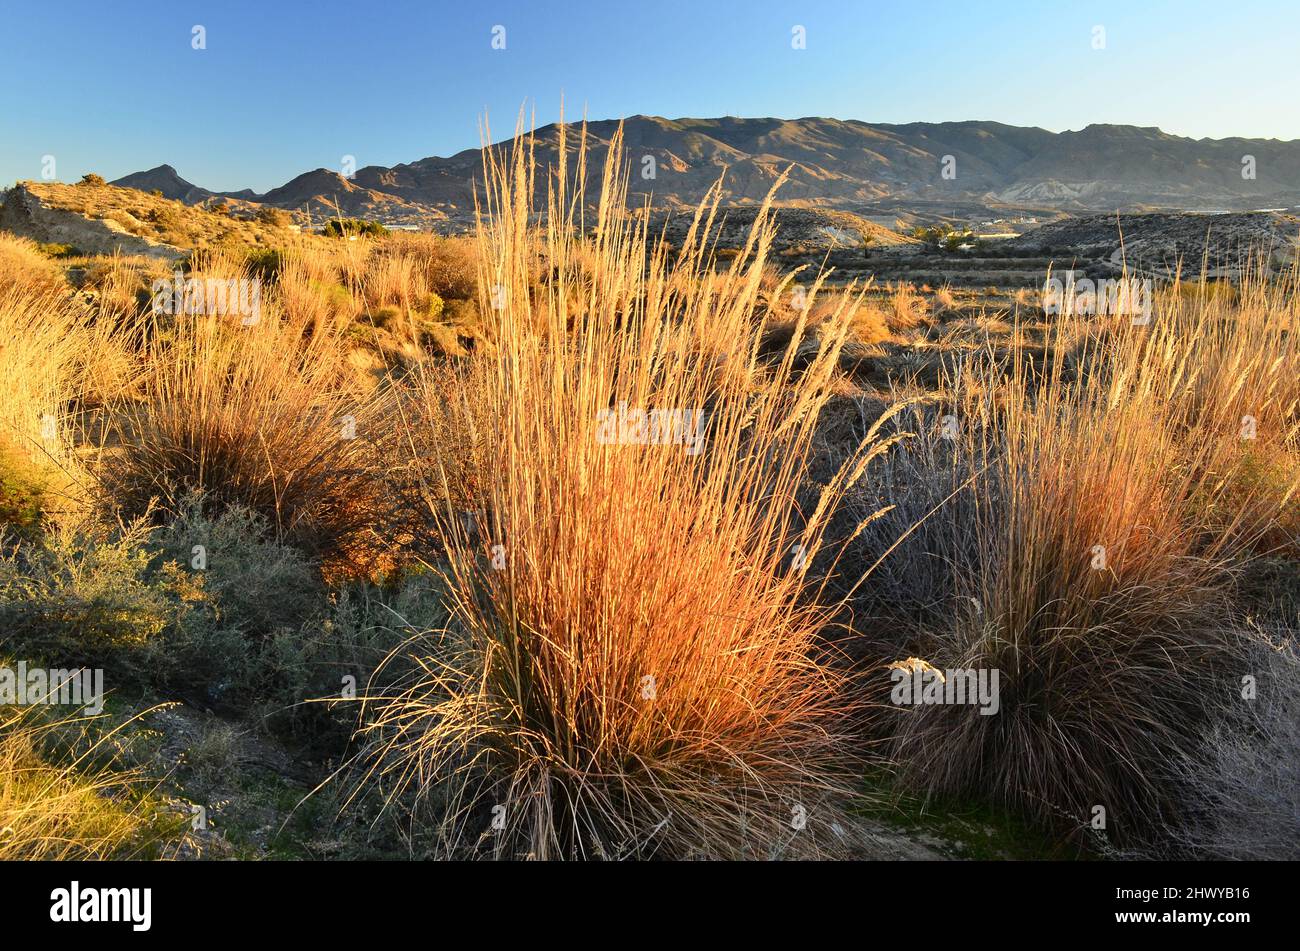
22,494
275,217
344,227
1242,779
87,596
248,592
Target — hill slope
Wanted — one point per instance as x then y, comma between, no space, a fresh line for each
851,165
103,219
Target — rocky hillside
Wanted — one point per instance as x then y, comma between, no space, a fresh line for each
104,219
1169,242
812,229
325,194
165,182
833,163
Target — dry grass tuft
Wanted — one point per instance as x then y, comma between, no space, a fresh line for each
261,416
78,809
1111,510
636,669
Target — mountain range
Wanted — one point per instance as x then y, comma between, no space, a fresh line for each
832,163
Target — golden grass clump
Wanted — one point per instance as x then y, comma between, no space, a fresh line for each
1229,371
54,359
907,308
1112,508
634,665
258,413
43,344
22,265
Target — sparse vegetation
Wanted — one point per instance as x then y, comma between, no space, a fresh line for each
156,218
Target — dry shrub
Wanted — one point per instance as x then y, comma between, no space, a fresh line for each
257,415
394,290
870,324
920,552
875,319
1230,366
447,267
122,285
1244,775
637,670
907,308
312,296
22,265
945,299
1111,510
402,269
1096,611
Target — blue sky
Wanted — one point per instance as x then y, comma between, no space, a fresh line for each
283,87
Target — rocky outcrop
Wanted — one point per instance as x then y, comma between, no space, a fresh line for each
25,214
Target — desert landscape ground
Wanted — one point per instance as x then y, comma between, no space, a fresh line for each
605,531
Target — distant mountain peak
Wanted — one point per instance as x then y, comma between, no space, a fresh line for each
835,163
165,179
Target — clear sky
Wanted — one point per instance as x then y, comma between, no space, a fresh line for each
115,86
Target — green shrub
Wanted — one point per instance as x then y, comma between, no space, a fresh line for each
254,591
464,313
333,653
266,634
431,308
59,250
341,227
209,608
86,596
255,584
165,218
336,298
190,605
386,317
265,262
